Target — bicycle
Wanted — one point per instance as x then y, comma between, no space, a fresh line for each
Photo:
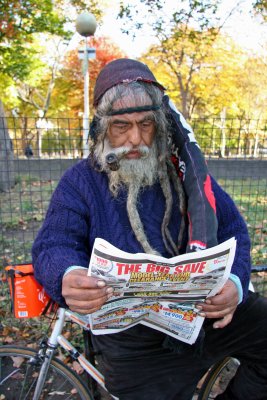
31,374
38,374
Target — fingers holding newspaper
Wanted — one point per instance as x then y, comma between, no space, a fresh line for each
221,306
84,294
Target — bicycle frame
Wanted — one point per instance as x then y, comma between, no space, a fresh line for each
56,338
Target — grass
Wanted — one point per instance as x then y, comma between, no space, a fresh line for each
22,212
250,197
28,200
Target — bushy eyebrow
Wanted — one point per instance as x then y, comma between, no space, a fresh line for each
119,121
149,117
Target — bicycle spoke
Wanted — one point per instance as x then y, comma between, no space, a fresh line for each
31,386
9,376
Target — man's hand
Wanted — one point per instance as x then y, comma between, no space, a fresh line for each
84,294
223,305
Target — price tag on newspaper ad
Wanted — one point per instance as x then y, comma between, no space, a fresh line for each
158,292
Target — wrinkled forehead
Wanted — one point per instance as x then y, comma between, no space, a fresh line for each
132,103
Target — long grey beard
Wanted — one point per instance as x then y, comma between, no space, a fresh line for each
135,173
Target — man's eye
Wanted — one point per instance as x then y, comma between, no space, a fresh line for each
147,124
120,126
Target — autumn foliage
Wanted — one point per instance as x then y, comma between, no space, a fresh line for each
71,82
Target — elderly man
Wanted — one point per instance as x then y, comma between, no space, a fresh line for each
128,193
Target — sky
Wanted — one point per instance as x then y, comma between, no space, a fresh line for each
245,30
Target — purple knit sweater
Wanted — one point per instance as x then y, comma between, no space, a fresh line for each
82,208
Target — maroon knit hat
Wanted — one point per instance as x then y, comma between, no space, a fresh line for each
120,71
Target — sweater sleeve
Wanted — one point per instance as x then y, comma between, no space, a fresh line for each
232,224
63,239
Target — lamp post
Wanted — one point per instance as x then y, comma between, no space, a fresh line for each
86,26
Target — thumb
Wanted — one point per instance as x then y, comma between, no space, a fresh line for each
223,322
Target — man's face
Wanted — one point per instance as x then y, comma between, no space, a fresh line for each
132,130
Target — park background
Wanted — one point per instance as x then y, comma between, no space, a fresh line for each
210,55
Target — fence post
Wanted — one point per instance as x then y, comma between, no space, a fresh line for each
7,176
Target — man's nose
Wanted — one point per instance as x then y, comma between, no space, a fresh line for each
135,135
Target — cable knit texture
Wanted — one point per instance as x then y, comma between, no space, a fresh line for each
82,208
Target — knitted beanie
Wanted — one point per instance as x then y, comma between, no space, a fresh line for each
122,70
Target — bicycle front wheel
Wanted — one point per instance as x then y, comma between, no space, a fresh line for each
218,378
18,377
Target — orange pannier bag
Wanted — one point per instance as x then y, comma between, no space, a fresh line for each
28,296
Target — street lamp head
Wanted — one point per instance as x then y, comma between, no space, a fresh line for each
86,24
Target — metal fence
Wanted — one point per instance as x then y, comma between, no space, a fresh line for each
34,153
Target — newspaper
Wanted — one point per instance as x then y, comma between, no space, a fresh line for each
158,292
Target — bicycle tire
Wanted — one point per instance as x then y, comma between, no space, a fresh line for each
217,378
18,377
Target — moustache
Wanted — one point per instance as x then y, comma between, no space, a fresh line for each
113,158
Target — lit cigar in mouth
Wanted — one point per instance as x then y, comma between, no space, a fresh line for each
113,161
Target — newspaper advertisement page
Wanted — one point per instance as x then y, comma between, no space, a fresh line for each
155,291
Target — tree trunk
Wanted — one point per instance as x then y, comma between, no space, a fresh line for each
256,146
223,138
7,175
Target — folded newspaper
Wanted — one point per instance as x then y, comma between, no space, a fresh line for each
158,292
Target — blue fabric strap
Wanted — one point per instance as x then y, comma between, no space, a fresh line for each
72,268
